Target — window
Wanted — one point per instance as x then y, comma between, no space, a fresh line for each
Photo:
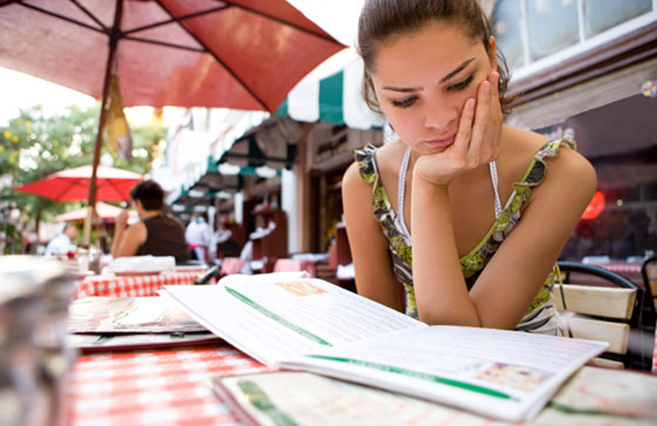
539,34
605,14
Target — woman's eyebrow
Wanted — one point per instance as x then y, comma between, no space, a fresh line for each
443,80
456,71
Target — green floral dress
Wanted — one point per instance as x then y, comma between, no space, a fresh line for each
541,316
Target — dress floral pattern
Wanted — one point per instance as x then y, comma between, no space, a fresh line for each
539,315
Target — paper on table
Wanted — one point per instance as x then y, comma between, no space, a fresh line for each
277,316
128,315
115,342
142,264
307,399
613,392
506,374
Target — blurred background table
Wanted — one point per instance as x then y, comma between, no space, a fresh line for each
154,387
630,270
133,285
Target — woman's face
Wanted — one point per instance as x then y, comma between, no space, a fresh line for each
423,79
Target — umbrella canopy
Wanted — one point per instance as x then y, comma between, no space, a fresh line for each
242,54
335,99
104,211
273,144
69,185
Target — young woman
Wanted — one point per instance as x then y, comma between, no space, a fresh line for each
468,214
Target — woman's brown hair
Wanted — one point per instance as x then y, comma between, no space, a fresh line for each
382,19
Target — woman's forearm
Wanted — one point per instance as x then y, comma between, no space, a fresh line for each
118,239
440,289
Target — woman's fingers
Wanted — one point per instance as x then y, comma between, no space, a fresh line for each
464,133
496,117
481,124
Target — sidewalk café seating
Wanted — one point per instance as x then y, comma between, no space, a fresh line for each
610,313
231,265
211,276
293,265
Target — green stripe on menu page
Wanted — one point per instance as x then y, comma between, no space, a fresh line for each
418,375
277,318
260,400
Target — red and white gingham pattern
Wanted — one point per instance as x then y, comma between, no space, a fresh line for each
142,285
169,387
623,268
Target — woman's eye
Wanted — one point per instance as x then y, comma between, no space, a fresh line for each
462,84
404,103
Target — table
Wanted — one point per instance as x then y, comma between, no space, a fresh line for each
154,387
632,271
141,285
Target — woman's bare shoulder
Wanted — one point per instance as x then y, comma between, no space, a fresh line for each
389,157
566,167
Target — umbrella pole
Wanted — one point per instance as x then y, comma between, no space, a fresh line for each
114,36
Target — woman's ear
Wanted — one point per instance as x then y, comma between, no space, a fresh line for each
493,52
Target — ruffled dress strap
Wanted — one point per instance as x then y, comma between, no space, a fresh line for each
367,164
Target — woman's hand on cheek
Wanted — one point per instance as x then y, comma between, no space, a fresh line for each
485,139
477,140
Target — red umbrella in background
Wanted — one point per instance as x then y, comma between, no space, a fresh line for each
104,211
243,54
73,184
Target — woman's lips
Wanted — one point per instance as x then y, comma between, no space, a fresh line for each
441,143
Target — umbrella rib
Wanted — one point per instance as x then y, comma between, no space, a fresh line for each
214,55
62,17
164,43
280,21
8,2
89,14
181,18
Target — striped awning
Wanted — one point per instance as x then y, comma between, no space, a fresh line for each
334,99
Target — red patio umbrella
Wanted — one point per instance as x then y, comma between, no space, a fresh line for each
73,184
243,54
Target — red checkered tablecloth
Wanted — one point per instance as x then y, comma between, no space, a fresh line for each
160,387
142,285
623,268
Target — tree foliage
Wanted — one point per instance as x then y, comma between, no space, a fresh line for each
35,144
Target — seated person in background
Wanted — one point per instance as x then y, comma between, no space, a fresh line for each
63,243
197,235
156,233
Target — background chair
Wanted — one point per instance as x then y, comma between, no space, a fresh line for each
608,309
211,276
649,274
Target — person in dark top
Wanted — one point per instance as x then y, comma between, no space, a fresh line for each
156,233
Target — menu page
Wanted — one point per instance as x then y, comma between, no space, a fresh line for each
275,317
505,374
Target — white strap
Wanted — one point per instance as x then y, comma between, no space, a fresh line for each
401,186
493,175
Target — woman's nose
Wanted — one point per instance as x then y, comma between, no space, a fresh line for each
439,114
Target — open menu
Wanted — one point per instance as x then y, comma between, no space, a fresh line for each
129,315
88,343
127,323
290,322
593,397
